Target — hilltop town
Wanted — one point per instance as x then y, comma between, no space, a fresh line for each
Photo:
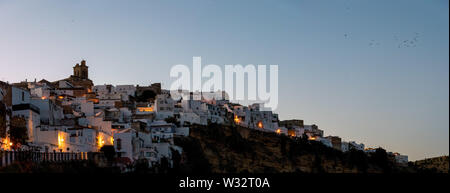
74,117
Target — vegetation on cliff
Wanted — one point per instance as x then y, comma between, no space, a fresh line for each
432,165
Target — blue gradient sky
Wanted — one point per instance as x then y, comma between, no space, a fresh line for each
340,63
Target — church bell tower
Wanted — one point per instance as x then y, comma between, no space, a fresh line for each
81,71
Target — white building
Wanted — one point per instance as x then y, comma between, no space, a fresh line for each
40,91
325,141
22,107
127,144
19,96
162,131
182,131
282,130
356,146
125,91
52,139
216,114
117,93
344,146
50,112
401,159
189,118
164,106
150,154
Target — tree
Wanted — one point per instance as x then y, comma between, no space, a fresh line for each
165,165
176,160
304,138
109,152
380,157
18,131
2,120
172,120
146,96
141,166
359,159
283,145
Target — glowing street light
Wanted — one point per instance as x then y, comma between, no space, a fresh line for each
7,143
60,140
260,125
236,119
101,142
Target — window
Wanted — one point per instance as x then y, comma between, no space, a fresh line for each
119,144
23,96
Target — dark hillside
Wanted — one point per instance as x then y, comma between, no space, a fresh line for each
229,149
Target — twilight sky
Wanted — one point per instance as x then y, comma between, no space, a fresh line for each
372,71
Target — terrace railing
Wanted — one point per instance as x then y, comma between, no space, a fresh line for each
10,157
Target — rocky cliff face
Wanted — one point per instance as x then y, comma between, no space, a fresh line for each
231,149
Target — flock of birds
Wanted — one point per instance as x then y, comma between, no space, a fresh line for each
409,42
401,43
374,43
